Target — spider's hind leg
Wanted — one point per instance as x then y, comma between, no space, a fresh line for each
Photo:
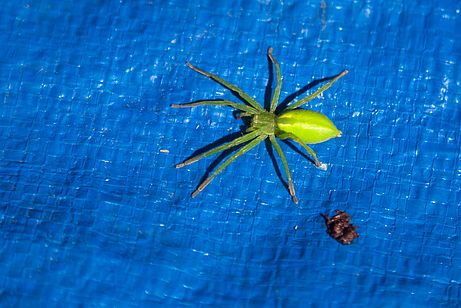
316,93
317,163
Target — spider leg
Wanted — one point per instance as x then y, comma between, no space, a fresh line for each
275,98
283,136
291,188
237,91
238,106
233,143
313,95
242,151
243,115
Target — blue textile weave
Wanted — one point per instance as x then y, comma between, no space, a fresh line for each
93,212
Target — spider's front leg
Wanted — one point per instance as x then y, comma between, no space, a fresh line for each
234,89
243,115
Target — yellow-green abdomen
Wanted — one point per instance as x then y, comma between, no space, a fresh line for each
310,126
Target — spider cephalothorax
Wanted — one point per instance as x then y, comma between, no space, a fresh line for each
302,126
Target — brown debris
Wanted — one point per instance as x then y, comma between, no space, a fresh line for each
339,227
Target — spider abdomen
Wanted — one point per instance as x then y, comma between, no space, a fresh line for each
309,126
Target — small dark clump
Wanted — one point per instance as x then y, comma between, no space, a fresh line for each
339,227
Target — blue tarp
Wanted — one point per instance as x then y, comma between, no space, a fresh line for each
93,212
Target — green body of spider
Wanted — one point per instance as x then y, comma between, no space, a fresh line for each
302,126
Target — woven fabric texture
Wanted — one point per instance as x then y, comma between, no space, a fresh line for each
93,212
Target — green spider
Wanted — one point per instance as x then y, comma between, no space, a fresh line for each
300,125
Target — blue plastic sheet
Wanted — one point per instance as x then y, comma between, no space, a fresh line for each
93,212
